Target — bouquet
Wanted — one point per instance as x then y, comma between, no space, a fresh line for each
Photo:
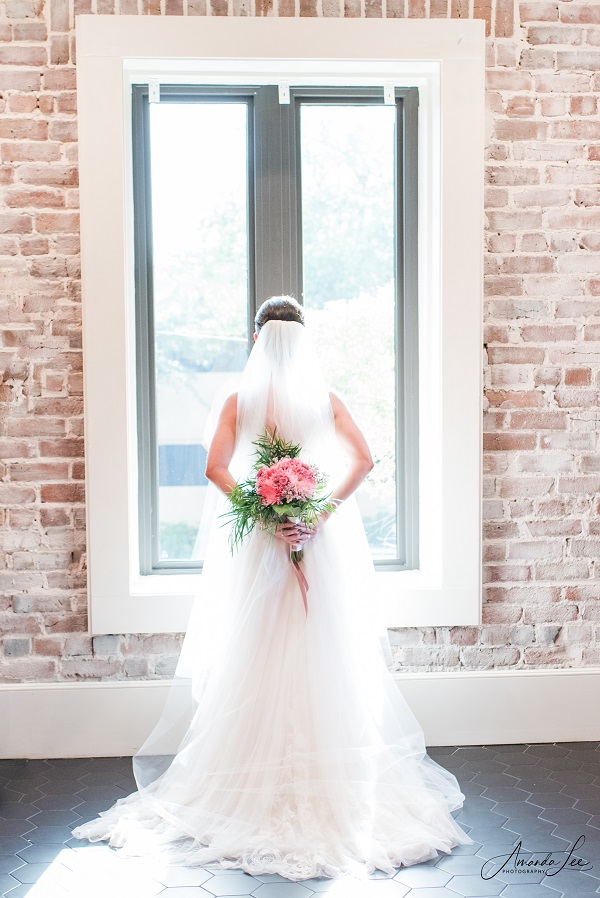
283,488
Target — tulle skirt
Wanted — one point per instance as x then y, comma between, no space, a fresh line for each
286,745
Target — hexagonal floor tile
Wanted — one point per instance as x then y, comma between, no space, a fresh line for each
232,884
282,890
180,876
475,886
8,863
459,866
51,890
530,891
422,877
431,893
186,892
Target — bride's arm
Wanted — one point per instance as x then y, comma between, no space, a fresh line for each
221,448
359,456
357,449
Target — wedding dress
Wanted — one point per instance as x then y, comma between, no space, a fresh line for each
286,746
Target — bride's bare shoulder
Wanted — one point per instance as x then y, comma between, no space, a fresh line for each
229,409
336,403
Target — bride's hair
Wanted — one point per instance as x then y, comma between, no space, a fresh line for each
278,308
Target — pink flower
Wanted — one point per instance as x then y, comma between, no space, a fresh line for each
288,480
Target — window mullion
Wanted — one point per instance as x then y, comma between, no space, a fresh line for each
276,198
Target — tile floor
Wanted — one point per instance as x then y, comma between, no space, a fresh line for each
544,796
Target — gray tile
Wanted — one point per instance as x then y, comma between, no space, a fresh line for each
8,863
572,776
40,854
565,815
493,835
535,890
563,764
476,754
538,830
291,890
54,818
271,877
11,828
16,810
543,749
551,800
530,771
460,866
7,883
466,849
524,760
517,748
62,802
51,890
53,835
496,779
572,832
31,872
101,793
540,785
236,884
517,809
320,886
470,788
473,820
585,791
430,893
189,892
12,844
490,766
506,793
423,876
591,807
475,886
180,876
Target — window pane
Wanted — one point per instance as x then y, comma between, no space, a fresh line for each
200,267
347,167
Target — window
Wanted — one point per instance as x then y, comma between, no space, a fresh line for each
238,197
443,60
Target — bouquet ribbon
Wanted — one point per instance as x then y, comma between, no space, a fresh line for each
302,581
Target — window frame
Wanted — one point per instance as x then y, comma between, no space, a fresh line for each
445,60
274,136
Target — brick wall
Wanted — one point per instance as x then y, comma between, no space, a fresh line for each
542,337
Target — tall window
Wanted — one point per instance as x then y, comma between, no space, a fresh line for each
238,197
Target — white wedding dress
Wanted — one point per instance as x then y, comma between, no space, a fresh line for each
286,746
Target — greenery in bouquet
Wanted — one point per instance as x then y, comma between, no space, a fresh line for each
282,488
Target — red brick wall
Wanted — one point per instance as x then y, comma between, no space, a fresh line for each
542,336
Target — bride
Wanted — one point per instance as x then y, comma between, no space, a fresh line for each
286,746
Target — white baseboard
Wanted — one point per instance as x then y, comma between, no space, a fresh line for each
103,719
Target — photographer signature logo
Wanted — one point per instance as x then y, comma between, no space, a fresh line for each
547,862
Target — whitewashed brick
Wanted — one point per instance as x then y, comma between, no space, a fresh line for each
542,321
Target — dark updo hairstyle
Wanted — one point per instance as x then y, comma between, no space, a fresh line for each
278,308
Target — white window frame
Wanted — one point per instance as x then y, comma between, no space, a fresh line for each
445,60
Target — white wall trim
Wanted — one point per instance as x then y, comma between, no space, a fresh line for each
105,719
445,59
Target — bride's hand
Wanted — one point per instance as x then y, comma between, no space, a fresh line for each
291,533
